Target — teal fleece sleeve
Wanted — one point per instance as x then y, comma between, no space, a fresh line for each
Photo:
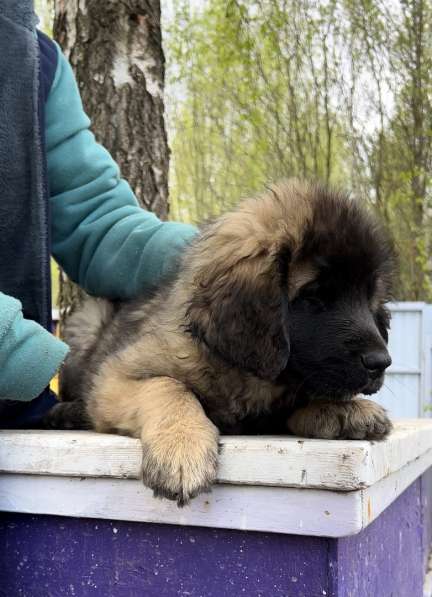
29,355
102,238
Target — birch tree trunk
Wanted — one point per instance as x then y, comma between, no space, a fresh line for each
115,49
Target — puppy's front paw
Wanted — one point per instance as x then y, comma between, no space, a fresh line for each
67,415
353,419
180,464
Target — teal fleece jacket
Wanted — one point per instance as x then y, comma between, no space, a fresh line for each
101,237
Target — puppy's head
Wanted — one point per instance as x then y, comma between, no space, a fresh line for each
292,286
338,321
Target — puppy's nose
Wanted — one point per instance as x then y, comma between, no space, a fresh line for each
376,361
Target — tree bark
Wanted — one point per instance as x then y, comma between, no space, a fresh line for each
115,49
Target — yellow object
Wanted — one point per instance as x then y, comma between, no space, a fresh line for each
54,383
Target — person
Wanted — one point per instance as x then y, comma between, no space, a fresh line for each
60,191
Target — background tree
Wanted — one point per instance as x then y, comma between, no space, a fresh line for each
259,100
394,58
116,52
335,90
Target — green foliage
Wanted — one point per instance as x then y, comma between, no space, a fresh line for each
45,11
397,45
337,90
255,104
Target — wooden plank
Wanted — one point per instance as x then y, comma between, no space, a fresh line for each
410,440
270,509
268,461
76,453
288,510
378,497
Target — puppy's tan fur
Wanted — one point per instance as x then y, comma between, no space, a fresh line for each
141,373
179,442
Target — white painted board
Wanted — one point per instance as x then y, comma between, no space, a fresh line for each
287,510
258,460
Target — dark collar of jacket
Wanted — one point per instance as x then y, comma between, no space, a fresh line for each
28,65
26,72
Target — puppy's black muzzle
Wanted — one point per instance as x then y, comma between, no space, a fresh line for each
376,362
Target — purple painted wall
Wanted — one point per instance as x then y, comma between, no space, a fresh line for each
386,560
426,496
48,556
43,556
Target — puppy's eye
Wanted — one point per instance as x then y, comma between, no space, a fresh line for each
314,302
310,298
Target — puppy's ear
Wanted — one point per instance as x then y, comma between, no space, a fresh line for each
239,309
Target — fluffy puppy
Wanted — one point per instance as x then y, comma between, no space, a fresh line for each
274,323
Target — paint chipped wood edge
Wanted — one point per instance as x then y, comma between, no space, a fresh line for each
286,510
257,461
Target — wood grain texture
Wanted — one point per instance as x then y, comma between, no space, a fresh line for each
284,485
288,510
275,509
269,461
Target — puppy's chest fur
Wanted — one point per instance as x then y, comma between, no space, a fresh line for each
229,395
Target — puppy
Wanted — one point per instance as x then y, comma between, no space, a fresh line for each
275,322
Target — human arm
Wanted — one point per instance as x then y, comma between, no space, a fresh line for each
102,238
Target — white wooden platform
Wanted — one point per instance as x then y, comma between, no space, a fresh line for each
285,485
